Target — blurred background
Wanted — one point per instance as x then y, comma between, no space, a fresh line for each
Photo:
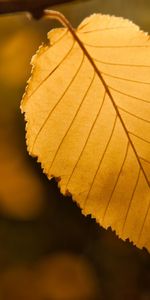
48,250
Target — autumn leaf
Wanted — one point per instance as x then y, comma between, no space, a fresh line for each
87,108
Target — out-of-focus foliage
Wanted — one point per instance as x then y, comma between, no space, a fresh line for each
57,277
18,179
53,223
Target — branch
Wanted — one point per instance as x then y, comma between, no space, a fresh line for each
35,7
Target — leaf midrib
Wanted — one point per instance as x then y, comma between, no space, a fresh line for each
98,72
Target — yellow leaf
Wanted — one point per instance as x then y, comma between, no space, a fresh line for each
88,121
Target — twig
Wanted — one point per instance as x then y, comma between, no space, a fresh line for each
34,7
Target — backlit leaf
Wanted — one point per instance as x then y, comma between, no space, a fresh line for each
89,125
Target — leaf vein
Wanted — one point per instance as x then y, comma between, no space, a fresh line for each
116,47
56,153
139,137
102,29
119,64
90,132
130,202
144,159
135,116
125,94
118,177
53,71
101,159
54,107
125,79
142,227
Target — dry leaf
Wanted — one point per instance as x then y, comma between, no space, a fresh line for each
89,125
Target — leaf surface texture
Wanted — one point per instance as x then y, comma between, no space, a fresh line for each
96,138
